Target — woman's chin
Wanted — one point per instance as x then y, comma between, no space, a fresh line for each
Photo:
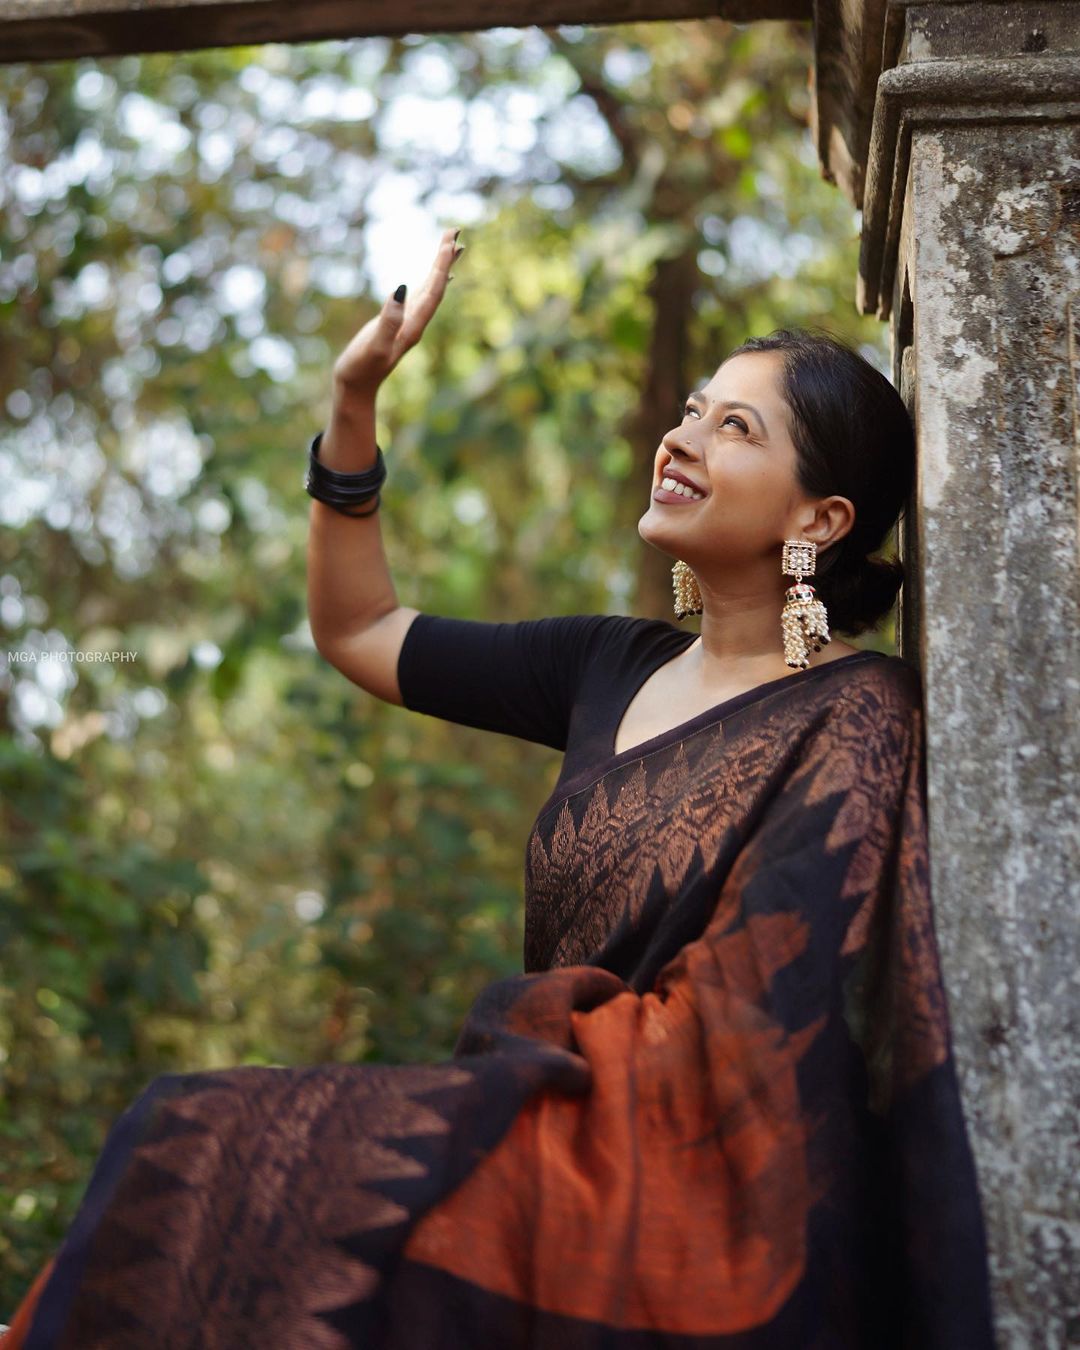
657,532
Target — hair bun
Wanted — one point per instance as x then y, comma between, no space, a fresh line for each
857,592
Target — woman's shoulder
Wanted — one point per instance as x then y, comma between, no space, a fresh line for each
615,635
880,683
644,632
630,647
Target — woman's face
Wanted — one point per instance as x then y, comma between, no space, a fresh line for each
733,445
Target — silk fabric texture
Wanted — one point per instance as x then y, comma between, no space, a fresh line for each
718,1111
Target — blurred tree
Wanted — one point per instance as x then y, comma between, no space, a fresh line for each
214,849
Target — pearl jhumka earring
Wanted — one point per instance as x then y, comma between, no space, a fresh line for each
803,621
687,594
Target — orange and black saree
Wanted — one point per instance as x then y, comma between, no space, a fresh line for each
718,1111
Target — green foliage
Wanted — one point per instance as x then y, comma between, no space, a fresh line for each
214,850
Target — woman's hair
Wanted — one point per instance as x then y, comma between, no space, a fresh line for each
854,437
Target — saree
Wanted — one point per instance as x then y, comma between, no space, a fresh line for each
718,1109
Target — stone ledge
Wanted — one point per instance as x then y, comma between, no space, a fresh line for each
940,93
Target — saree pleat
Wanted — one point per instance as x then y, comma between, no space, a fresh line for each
718,1111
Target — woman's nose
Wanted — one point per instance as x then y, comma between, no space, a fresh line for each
676,442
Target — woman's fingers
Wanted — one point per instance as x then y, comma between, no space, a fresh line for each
380,344
420,309
391,319
382,338
373,352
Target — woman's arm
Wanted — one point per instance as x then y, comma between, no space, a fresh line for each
355,618
356,621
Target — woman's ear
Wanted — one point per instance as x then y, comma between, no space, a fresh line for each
833,518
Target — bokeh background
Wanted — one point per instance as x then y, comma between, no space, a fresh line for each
213,848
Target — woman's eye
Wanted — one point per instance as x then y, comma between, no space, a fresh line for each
690,410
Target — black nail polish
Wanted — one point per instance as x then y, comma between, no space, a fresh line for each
456,233
399,294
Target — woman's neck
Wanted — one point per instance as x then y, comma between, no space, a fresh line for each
740,632
741,640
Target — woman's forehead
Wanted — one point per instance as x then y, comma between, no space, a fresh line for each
746,375
751,380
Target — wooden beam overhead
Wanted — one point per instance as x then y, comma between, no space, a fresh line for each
852,44
57,30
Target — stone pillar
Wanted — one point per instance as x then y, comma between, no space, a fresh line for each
971,249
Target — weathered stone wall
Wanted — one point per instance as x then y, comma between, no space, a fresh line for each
995,278
972,248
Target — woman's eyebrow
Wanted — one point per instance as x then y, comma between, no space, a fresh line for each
698,396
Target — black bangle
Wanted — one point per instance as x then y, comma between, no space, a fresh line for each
344,490
345,512
365,478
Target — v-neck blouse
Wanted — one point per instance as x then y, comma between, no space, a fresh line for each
709,715
564,681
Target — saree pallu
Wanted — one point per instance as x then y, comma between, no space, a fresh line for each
718,1111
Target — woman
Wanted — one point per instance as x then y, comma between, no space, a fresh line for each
719,1109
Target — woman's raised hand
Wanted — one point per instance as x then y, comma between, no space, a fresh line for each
377,348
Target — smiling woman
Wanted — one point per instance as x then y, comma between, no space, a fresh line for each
718,1109
826,439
